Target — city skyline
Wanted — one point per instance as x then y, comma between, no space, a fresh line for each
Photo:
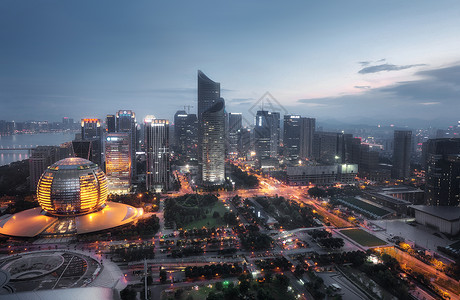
397,63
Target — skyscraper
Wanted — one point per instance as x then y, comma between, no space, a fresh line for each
235,123
90,129
328,147
125,121
185,134
213,150
110,123
401,154
89,144
211,126
156,136
262,134
40,159
275,133
291,136
118,162
442,172
244,142
307,130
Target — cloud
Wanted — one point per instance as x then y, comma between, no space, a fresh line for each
363,87
364,63
386,67
435,95
155,91
429,103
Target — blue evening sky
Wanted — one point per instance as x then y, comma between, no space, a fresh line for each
350,61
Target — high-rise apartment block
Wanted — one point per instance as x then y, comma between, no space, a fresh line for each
442,172
307,130
402,149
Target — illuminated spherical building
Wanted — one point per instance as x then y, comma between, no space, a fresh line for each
72,194
72,186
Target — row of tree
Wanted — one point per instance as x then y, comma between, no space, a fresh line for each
214,270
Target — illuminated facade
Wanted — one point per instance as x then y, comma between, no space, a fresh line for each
208,96
156,133
118,162
90,129
125,121
235,123
213,146
72,194
72,186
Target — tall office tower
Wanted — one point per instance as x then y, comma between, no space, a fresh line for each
291,136
442,172
192,137
235,123
307,130
262,134
209,144
244,142
125,121
213,146
118,162
41,158
90,129
328,147
275,133
185,134
402,147
89,144
156,140
266,134
110,123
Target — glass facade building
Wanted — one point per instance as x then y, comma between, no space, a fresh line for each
118,162
72,186
156,133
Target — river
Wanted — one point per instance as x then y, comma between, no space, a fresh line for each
29,141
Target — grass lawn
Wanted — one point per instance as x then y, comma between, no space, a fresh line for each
220,208
363,238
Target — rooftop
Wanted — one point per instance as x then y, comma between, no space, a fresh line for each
449,213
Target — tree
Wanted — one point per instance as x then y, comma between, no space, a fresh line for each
216,215
214,296
128,294
163,276
219,286
317,192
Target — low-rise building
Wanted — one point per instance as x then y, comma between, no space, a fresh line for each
445,219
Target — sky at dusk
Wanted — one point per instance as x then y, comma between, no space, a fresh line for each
348,61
